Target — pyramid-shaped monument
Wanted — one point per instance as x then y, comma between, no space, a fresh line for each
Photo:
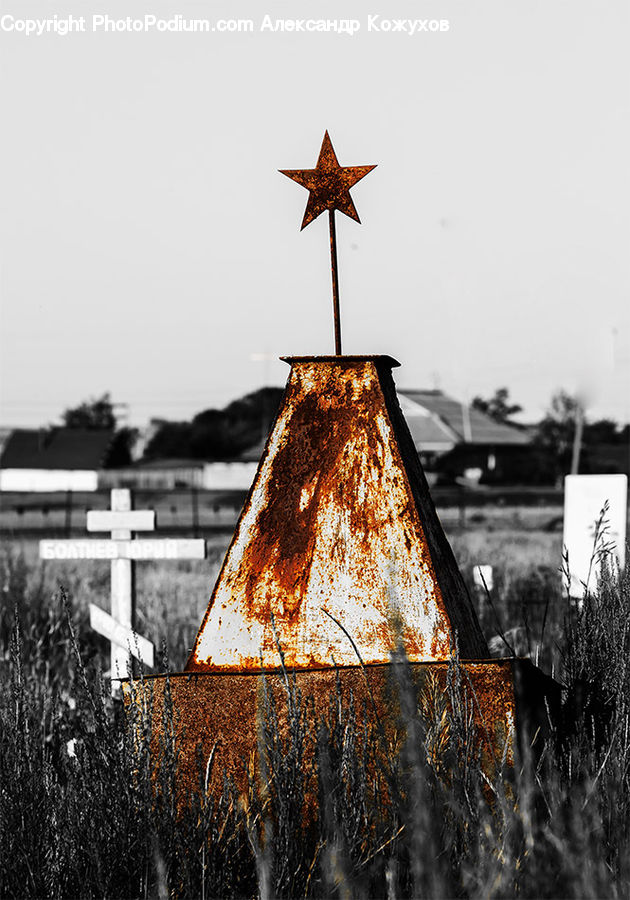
339,552
337,559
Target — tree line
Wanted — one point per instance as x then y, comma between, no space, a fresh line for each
224,434
564,433
213,434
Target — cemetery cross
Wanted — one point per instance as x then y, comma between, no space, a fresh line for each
123,550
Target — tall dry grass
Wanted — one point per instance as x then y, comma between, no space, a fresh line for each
405,818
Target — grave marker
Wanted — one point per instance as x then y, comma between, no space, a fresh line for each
122,636
584,500
122,550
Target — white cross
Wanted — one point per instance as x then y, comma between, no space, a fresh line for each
121,520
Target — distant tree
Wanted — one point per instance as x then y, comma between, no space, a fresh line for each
497,406
120,450
97,414
218,433
556,431
226,433
211,436
606,447
170,441
250,417
603,431
261,403
556,434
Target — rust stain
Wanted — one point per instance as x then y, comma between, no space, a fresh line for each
330,526
338,552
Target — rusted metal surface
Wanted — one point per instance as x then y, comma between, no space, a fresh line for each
338,558
329,186
338,550
509,698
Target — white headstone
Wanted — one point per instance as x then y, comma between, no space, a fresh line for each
595,509
482,577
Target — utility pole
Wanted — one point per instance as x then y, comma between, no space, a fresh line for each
577,438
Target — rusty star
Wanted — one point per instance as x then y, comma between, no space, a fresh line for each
328,184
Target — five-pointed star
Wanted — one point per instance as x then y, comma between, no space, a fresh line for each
328,184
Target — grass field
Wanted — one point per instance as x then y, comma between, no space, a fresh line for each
88,820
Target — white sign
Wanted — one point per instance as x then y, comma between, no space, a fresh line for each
595,508
165,548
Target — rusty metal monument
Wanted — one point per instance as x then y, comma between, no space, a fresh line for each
328,186
337,559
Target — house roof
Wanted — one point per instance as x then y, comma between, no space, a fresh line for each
462,422
56,448
437,423
428,430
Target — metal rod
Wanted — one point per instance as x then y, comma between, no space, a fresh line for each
335,280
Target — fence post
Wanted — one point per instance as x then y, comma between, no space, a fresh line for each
195,511
68,525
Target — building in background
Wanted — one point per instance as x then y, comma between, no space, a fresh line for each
456,440
173,474
453,440
54,459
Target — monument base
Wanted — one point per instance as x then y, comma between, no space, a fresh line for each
219,715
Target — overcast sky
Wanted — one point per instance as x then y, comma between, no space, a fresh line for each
149,247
